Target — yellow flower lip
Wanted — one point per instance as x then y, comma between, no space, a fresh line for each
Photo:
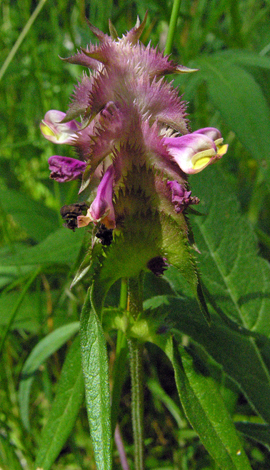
54,129
222,149
47,130
201,159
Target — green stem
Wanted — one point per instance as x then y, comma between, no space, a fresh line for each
172,26
135,307
119,369
21,37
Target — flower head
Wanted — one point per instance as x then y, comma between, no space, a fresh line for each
125,120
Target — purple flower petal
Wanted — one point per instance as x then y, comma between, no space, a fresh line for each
181,198
102,208
57,132
192,152
65,168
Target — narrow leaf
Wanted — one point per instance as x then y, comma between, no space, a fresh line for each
255,431
237,353
206,411
8,457
44,349
96,375
68,399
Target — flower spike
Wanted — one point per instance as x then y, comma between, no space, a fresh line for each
135,150
124,120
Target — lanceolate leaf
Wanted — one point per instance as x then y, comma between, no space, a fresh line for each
236,277
96,375
206,411
65,408
47,346
237,353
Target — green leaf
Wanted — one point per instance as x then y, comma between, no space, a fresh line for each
237,353
44,349
61,247
236,277
206,410
68,399
161,395
8,457
244,58
96,375
255,431
243,108
37,220
31,310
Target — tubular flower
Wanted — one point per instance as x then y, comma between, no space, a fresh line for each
130,131
65,169
57,132
194,152
101,208
181,198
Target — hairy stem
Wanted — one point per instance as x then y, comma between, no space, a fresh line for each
135,351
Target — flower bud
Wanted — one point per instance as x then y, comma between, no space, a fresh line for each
101,208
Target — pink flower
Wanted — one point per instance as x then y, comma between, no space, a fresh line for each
101,209
56,131
65,169
194,152
181,198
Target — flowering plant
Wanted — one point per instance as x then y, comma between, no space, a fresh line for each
130,130
135,151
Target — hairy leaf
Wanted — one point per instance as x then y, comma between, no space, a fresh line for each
235,276
96,375
206,410
237,353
